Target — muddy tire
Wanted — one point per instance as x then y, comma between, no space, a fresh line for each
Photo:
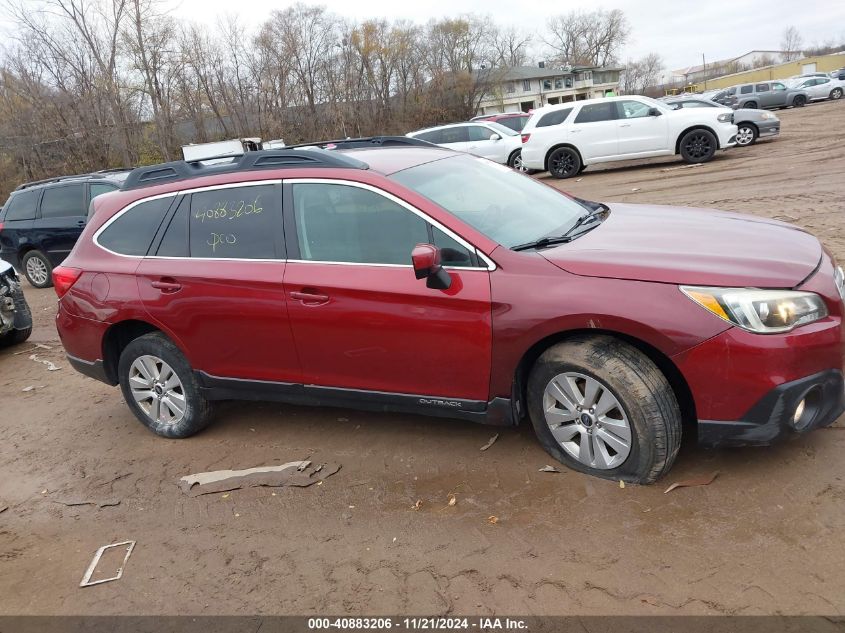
15,337
603,408
161,389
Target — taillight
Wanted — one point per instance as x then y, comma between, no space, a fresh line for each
1,226
525,138
63,279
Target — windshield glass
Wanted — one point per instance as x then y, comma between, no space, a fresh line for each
501,129
504,205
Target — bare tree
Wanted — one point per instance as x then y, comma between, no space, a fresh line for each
790,44
591,38
641,74
510,47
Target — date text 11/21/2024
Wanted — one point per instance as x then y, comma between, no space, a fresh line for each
483,624
222,211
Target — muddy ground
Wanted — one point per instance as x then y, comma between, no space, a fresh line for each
765,537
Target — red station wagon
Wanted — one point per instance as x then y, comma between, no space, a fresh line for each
418,279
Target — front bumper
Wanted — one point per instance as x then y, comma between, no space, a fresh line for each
774,415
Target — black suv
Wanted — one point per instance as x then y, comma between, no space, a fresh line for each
41,221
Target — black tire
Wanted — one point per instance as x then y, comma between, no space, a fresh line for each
751,105
197,409
799,101
698,146
564,162
515,162
15,337
836,94
637,384
746,131
42,263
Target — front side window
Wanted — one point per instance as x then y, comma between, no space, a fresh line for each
132,232
778,86
554,118
63,201
235,223
633,109
502,204
597,112
342,223
21,206
480,133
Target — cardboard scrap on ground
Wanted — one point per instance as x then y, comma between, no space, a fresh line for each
704,480
51,366
549,469
300,474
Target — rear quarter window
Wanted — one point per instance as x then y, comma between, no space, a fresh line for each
22,205
553,118
132,232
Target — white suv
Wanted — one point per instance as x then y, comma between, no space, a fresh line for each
487,139
567,137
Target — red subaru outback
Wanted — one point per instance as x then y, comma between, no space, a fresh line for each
418,279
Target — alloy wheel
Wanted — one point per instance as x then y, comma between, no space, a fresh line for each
517,163
36,270
587,420
698,146
157,389
562,164
744,136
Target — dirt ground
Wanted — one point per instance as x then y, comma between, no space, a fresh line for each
764,538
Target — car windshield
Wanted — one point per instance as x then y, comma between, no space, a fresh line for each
501,129
506,206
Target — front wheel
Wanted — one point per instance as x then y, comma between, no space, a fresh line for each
746,134
603,408
37,269
564,162
160,388
698,146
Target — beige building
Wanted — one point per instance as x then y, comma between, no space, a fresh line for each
523,88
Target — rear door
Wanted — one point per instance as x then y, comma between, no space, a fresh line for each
61,218
594,130
639,132
213,280
361,319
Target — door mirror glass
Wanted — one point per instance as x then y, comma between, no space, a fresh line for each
426,261
654,112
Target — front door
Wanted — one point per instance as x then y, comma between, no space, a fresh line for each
214,281
481,144
361,319
639,131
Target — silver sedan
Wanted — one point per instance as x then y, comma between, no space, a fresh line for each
751,124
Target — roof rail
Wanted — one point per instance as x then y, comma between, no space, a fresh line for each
368,142
262,159
47,181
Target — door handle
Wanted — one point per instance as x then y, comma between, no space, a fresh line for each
166,285
624,125
310,297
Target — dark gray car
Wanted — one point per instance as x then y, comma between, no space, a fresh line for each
764,94
751,124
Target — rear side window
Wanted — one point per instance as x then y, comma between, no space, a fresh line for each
554,118
63,201
21,206
432,137
516,123
762,87
597,112
132,232
746,90
454,135
235,223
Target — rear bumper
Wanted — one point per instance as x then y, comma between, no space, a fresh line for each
774,415
92,369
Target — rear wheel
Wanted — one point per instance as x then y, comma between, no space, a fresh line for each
602,407
800,101
515,162
751,105
836,93
746,134
564,162
160,388
37,269
698,146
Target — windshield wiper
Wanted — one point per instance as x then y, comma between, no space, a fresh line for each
567,237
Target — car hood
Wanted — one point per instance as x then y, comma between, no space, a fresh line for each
4,266
681,245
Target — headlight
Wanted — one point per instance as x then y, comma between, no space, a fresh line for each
839,278
761,311
767,116
725,118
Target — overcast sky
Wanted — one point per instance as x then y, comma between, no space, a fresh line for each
679,30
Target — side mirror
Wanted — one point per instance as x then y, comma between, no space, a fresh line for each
495,137
655,112
426,261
